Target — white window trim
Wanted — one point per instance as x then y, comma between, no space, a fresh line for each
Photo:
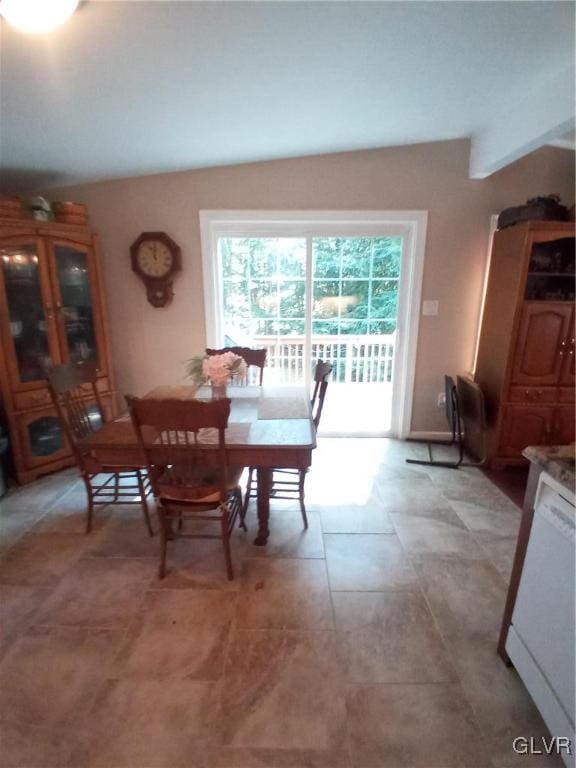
411,225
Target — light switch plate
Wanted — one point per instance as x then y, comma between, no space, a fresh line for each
430,307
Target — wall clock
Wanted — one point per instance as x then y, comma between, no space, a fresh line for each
156,259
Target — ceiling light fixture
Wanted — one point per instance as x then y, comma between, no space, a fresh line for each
37,16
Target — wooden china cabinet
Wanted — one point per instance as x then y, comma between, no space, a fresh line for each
51,311
526,351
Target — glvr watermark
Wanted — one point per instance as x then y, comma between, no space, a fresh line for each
554,745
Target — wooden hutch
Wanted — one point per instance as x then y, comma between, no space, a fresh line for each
51,311
525,363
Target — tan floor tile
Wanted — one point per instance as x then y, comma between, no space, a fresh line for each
355,519
499,522
501,704
348,479
99,592
466,597
51,676
68,515
499,550
405,472
27,746
13,527
475,489
421,498
41,559
178,633
17,608
40,495
463,476
288,537
284,594
147,724
427,536
358,562
125,537
389,637
282,695
283,699
432,726
197,564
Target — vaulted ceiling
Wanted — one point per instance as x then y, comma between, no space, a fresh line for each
130,88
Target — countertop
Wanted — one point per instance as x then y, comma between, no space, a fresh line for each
557,460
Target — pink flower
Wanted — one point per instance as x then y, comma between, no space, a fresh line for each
219,369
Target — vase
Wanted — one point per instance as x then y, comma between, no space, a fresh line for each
218,391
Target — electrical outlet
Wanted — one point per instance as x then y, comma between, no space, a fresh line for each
441,399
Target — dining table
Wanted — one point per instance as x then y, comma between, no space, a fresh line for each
270,427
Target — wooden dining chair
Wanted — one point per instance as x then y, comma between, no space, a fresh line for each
185,448
74,392
289,483
255,358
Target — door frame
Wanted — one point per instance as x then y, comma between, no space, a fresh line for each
411,225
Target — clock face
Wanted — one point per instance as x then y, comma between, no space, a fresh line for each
154,258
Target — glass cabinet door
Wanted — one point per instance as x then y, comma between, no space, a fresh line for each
29,326
75,306
45,436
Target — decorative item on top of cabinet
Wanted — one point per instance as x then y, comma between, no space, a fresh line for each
537,208
70,213
525,362
51,311
156,259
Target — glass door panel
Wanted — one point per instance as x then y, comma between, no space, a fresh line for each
355,283
264,300
75,308
29,331
551,271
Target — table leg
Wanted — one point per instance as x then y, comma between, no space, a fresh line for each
264,485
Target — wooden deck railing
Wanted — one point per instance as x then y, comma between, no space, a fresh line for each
356,359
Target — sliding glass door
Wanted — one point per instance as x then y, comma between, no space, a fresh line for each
344,287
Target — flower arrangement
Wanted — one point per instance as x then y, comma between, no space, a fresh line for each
216,369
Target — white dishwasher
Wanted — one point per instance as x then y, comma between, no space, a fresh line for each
542,637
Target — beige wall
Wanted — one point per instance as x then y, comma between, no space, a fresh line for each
150,345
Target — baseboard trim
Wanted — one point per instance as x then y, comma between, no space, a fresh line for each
432,436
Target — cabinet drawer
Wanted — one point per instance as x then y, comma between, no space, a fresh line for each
533,394
566,395
34,398
524,425
102,385
40,398
41,438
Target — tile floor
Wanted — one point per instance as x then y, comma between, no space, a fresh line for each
367,641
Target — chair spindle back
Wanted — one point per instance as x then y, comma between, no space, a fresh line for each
75,394
322,375
182,437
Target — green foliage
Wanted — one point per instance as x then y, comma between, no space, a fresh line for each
355,285
194,369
